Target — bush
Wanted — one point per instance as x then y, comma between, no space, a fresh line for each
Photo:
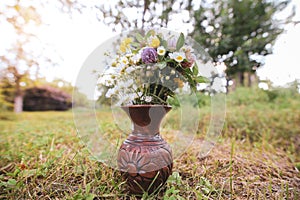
5,105
247,96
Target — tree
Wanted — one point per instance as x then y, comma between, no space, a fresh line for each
132,14
20,56
25,55
238,33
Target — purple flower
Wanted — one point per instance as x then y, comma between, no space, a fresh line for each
149,55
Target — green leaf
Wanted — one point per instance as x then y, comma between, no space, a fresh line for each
160,39
135,51
90,197
201,79
11,182
162,65
196,65
297,165
188,71
180,42
163,42
175,178
205,190
88,188
195,71
139,37
149,33
29,173
135,44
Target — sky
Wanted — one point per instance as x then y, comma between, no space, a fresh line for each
283,65
74,39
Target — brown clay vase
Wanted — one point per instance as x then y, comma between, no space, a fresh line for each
144,157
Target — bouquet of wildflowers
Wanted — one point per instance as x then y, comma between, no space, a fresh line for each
150,69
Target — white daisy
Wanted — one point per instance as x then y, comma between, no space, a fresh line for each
127,83
161,51
177,56
124,60
129,70
136,58
110,92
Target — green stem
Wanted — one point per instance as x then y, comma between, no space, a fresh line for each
161,100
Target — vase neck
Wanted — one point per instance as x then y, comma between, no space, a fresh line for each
146,119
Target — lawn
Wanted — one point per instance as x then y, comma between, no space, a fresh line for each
257,156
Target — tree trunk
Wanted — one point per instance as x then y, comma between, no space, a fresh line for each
227,86
254,80
18,100
18,103
241,77
249,79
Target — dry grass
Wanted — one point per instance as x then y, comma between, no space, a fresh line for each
239,172
257,158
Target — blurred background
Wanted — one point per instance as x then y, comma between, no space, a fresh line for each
43,44
253,43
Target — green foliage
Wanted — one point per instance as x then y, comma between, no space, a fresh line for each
7,92
180,42
233,31
256,98
247,96
84,194
4,104
80,100
205,186
196,100
280,95
173,192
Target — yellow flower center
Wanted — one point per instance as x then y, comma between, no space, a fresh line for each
114,64
179,58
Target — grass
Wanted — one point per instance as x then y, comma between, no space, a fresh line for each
257,156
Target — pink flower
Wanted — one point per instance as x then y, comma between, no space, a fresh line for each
172,44
190,59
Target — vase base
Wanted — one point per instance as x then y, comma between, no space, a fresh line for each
145,164
149,182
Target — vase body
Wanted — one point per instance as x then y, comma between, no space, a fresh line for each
144,157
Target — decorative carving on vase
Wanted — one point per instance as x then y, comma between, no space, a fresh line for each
144,157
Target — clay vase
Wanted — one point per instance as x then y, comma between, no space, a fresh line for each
145,158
